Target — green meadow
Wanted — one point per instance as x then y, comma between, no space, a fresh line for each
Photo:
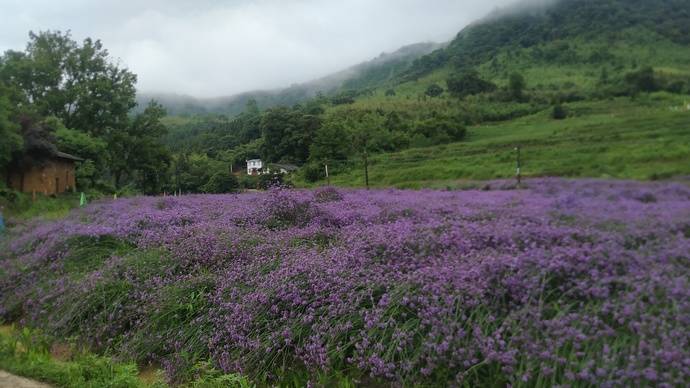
646,138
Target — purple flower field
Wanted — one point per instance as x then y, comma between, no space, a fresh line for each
566,282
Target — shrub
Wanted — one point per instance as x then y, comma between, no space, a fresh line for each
419,288
268,181
221,182
284,208
440,129
468,84
434,90
676,87
249,182
327,194
642,80
313,172
559,112
516,86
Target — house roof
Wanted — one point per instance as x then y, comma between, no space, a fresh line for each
63,155
287,167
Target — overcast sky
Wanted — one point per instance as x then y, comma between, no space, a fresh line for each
211,48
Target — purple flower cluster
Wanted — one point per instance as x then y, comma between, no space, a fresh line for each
578,282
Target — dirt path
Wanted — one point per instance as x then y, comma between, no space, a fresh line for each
11,381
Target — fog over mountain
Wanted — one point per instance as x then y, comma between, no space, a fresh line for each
211,48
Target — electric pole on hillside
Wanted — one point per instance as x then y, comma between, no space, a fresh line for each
366,169
518,174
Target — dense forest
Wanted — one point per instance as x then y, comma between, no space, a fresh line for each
62,95
59,94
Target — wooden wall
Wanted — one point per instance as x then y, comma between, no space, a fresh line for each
55,177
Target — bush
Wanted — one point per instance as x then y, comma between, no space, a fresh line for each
516,86
468,84
559,112
327,194
269,181
441,130
313,172
677,87
344,98
221,182
434,90
249,182
643,80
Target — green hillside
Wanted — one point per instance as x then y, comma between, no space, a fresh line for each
587,88
598,61
644,139
532,23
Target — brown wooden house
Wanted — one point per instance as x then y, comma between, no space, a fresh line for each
54,176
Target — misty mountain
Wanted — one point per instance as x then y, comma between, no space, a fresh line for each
533,22
377,72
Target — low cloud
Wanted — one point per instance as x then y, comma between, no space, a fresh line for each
212,48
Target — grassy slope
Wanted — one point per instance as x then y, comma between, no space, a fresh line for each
32,354
28,353
643,139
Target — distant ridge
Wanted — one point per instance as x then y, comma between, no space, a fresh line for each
371,74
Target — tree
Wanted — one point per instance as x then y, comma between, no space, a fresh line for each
288,134
468,84
331,143
78,143
642,80
344,98
38,142
90,148
434,90
137,151
441,130
516,86
76,83
365,129
10,139
390,92
221,182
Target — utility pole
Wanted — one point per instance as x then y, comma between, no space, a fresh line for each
366,169
328,178
518,174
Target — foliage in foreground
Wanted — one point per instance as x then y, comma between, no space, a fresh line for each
32,354
27,353
567,282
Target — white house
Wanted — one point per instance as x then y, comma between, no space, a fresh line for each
254,167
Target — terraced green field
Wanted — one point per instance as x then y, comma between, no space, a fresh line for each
644,139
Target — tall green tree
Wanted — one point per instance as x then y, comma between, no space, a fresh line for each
10,139
77,83
367,132
90,148
331,143
288,134
137,151
516,86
